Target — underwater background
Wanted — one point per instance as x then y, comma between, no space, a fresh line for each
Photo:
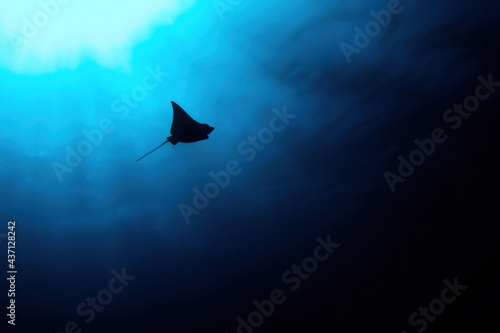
308,193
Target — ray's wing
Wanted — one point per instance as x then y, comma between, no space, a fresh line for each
182,121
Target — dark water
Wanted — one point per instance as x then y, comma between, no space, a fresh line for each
351,177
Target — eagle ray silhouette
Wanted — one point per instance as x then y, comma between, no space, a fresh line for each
184,129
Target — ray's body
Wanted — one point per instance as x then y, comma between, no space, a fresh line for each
184,129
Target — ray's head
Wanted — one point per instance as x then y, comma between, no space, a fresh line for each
208,128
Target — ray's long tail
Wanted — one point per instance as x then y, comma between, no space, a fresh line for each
153,150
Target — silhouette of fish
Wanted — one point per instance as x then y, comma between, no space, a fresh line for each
184,129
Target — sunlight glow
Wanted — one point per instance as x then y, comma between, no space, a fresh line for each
38,36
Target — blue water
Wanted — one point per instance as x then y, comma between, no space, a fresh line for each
90,93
